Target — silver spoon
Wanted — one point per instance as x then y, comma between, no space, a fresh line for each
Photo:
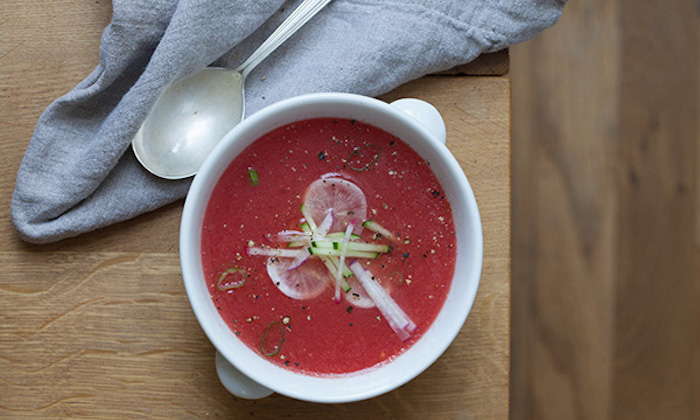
193,114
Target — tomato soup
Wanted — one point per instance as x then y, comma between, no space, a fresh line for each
253,240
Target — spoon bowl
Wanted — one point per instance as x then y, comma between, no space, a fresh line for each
187,120
192,115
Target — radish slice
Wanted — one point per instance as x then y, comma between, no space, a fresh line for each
306,282
300,259
345,198
395,316
357,296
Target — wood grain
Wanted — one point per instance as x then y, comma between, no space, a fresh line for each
99,326
606,275
658,285
492,64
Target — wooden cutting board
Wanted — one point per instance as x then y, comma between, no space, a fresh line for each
99,326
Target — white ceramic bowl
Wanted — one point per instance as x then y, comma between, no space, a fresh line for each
248,375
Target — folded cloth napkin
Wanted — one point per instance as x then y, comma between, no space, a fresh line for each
79,172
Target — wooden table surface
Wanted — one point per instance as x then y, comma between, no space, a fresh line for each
99,326
606,214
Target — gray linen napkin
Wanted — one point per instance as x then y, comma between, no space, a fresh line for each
79,173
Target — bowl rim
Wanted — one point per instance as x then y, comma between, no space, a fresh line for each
190,233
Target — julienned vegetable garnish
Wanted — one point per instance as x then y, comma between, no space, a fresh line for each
397,318
341,259
399,192
376,227
336,243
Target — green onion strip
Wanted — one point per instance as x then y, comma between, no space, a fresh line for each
264,345
232,284
253,177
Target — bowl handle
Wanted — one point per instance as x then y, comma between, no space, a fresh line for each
426,114
237,383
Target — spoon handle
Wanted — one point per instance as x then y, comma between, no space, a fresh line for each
306,10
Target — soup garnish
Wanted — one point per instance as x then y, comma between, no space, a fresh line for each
341,202
328,246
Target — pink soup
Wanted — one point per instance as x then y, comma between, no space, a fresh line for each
258,200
